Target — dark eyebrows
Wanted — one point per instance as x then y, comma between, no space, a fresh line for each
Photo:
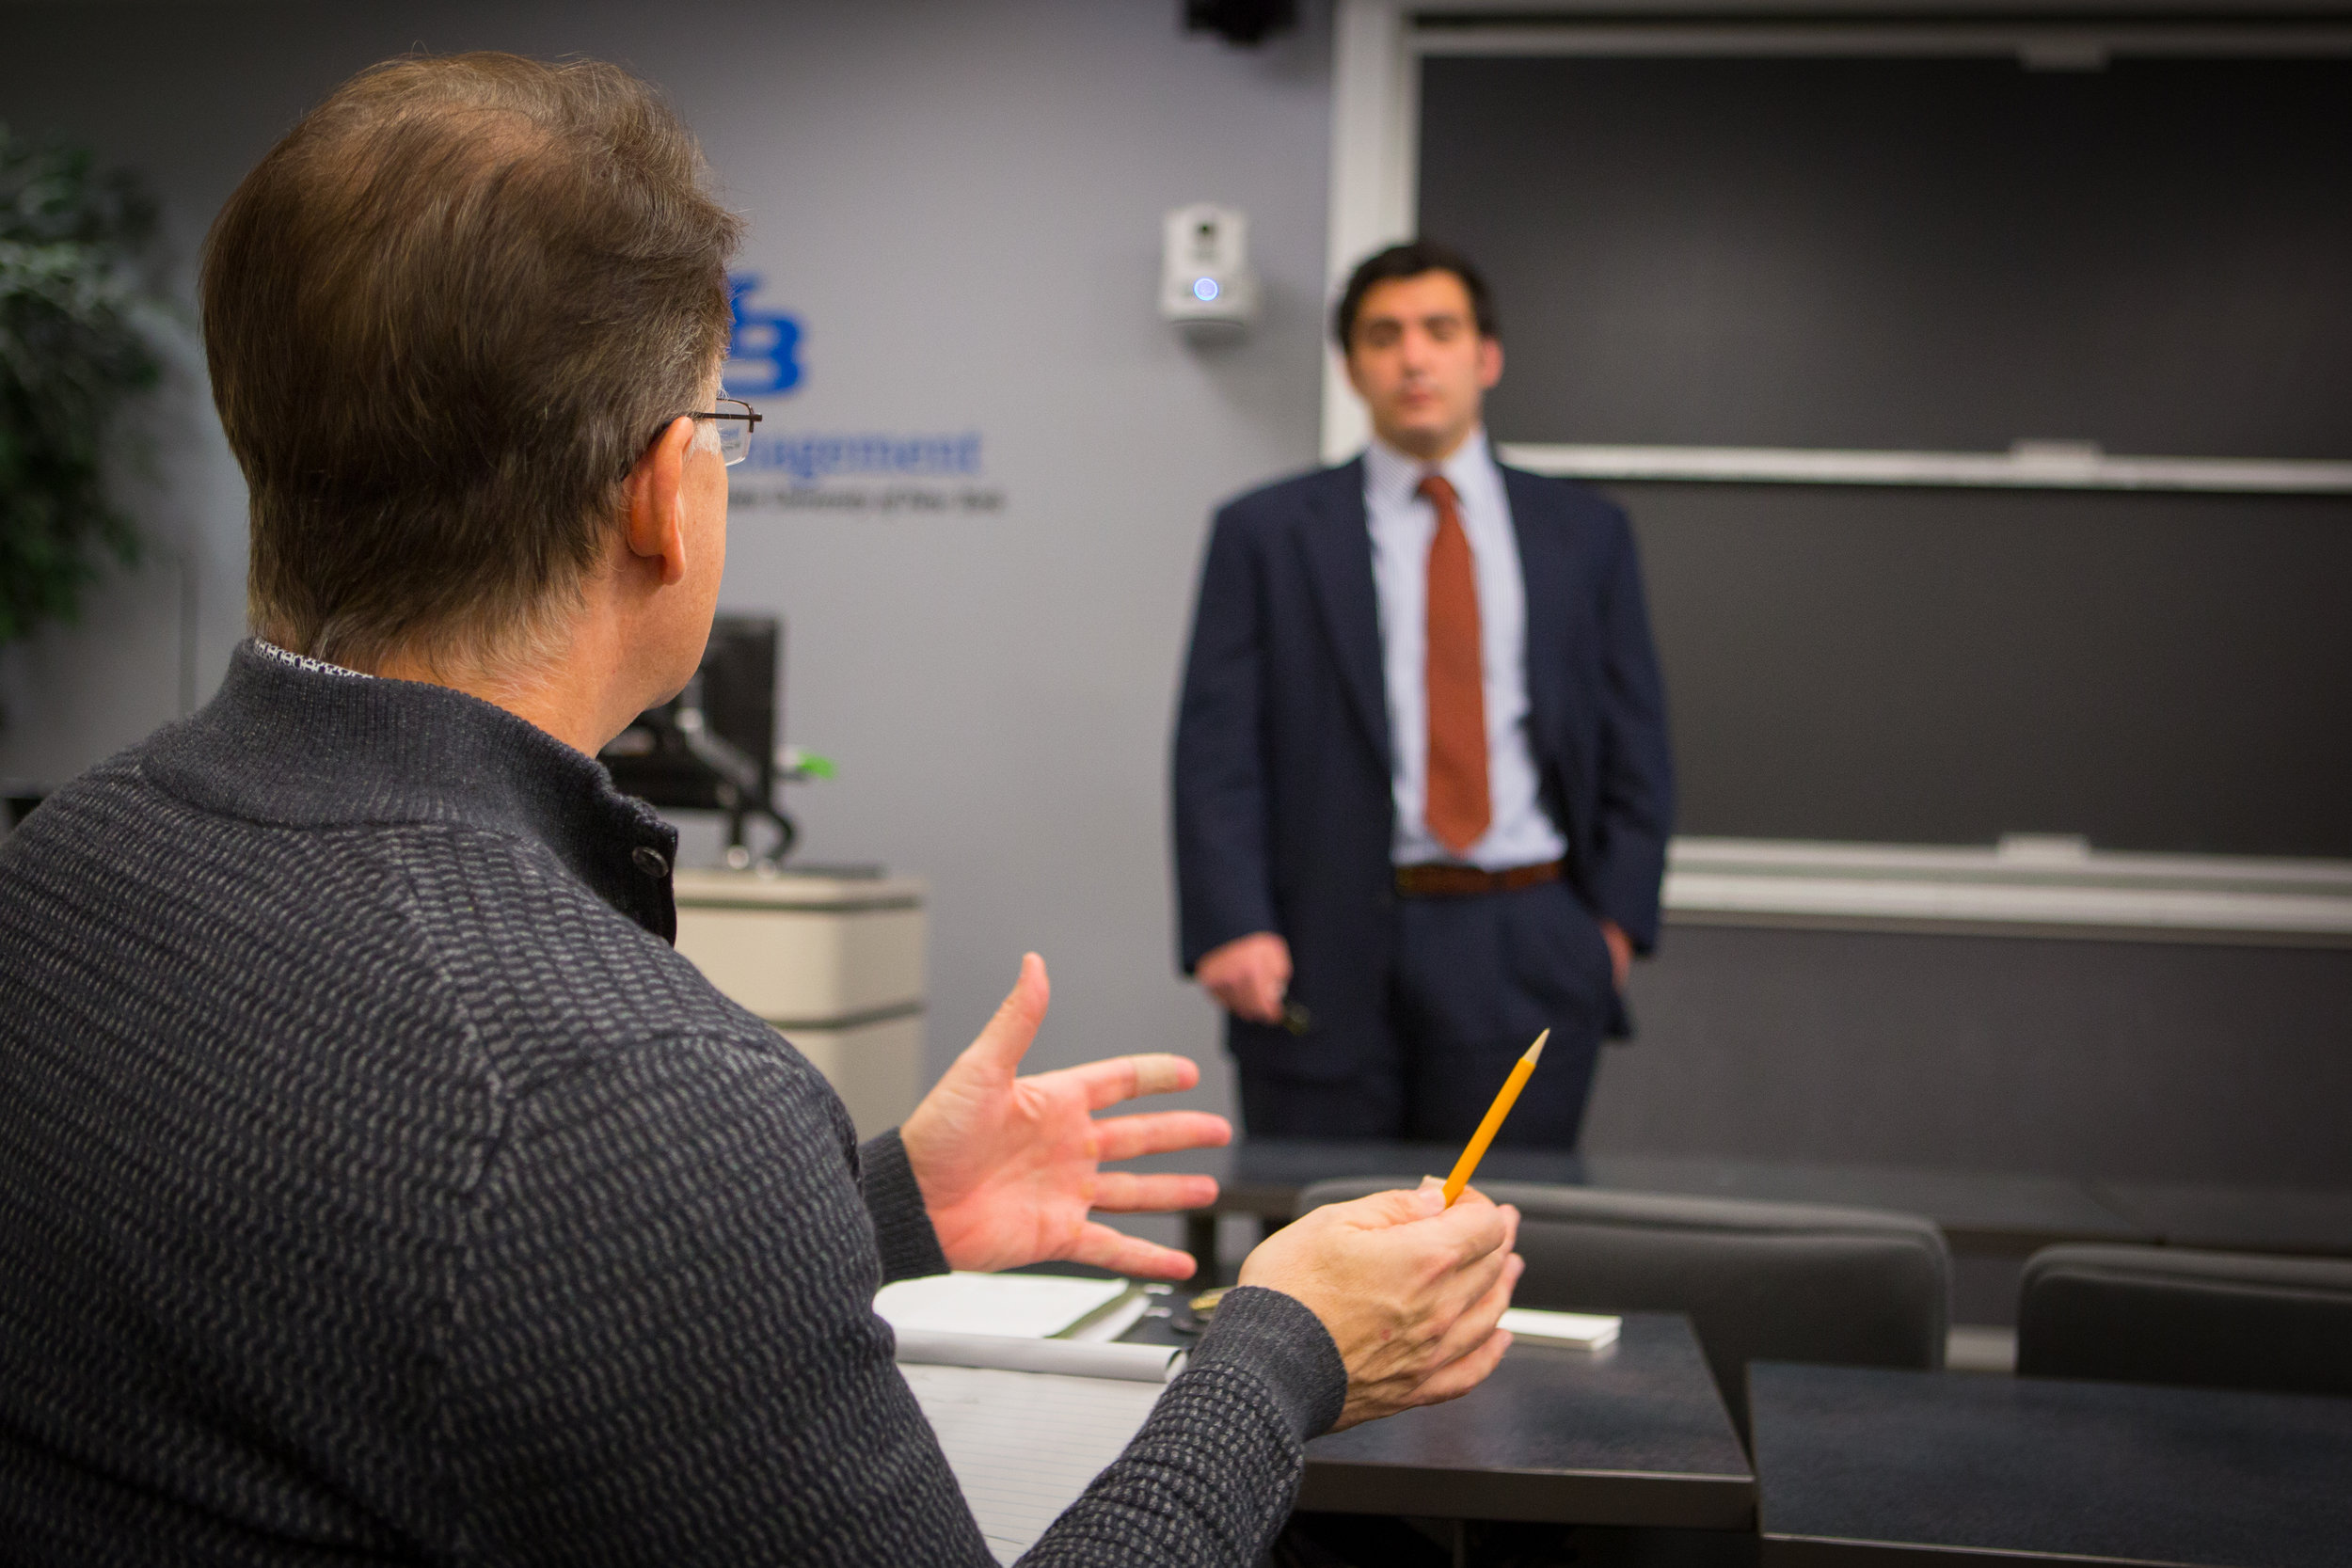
1429,322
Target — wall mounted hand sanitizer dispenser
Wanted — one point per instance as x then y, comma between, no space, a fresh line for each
1205,279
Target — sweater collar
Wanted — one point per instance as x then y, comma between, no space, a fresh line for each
298,747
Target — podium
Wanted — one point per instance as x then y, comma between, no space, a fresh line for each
834,963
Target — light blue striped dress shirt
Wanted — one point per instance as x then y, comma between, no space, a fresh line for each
1519,832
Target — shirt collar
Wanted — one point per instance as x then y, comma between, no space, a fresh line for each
304,661
298,743
1392,478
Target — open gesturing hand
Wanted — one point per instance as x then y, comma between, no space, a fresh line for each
1007,1165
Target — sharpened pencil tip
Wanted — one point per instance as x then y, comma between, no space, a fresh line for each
1537,1049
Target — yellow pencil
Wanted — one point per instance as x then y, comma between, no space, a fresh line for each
1493,1124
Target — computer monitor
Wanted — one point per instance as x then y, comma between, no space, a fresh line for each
714,746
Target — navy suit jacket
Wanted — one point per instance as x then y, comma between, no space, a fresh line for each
1284,810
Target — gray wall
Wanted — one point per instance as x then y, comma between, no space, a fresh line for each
962,203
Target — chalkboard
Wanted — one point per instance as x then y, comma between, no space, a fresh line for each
1949,254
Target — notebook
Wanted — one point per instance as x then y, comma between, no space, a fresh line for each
1019,1378
1027,1306
1583,1330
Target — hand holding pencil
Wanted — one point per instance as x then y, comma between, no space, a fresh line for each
1411,1284
1410,1289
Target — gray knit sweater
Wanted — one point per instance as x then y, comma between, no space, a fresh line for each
376,1184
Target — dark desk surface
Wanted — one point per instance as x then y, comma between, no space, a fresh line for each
1631,1434
1860,1465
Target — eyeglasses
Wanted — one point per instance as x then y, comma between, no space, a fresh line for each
735,440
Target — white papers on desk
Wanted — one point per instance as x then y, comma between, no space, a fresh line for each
1024,1305
1024,1445
1583,1330
1027,1306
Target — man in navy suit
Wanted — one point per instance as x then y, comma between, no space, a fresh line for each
1423,786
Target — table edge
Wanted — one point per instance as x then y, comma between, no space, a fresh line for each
1782,1550
1693,1501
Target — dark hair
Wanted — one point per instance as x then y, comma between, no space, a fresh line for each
444,317
1409,260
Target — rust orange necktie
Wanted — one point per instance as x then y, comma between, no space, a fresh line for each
1455,803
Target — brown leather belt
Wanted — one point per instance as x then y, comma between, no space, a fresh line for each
1460,881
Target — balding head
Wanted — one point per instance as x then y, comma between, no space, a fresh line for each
444,316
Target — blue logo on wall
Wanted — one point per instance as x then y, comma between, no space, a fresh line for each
763,354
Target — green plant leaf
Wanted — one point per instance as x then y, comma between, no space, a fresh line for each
75,250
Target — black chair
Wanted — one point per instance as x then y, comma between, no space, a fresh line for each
1769,1281
2221,1319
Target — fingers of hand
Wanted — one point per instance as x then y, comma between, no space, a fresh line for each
1106,1248
1465,1288
1480,1313
1459,1377
1473,1230
1620,951
1403,1206
1510,1216
1124,1192
1249,975
1006,1038
1160,1132
1244,997
1117,1078
1268,995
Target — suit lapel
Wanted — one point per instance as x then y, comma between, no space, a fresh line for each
1338,549
1547,565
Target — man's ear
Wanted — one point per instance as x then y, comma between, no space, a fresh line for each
1489,363
1347,363
657,501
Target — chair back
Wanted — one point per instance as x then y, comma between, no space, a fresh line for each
2222,1320
1760,1281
